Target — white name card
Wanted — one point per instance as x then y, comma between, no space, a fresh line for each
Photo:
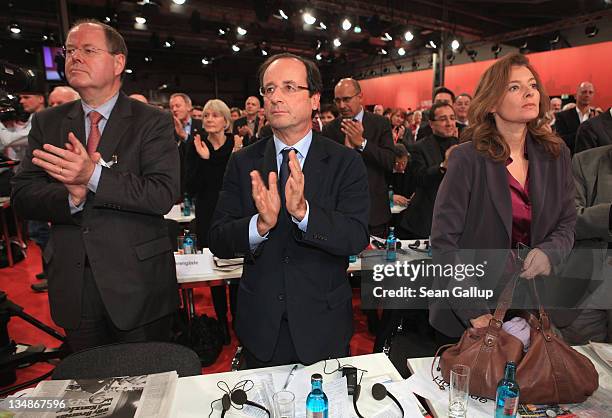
193,264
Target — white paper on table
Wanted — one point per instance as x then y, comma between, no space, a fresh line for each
175,212
405,397
193,264
604,351
261,393
425,387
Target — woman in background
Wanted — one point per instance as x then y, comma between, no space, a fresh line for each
205,160
510,183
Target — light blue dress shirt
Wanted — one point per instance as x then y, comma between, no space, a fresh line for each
301,148
105,110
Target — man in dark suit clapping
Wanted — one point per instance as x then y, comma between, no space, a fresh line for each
103,170
295,206
369,135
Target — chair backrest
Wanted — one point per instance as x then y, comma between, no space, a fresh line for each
129,359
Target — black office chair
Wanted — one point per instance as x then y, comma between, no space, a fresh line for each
129,359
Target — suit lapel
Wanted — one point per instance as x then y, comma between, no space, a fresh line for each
367,126
75,123
313,168
118,123
604,179
497,182
539,163
268,162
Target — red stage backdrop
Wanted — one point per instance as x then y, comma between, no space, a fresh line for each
561,72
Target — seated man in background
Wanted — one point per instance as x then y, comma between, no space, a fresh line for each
427,168
593,180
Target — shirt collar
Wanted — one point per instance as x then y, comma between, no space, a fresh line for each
359,116
104,109
302,146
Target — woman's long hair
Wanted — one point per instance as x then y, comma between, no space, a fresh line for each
482,130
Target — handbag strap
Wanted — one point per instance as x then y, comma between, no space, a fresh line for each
505,300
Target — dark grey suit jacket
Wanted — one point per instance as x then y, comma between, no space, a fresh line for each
302,275
473,211
121,230
566,125
378,156
594,132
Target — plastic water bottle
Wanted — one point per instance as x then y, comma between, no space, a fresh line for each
186,205
188,243
391,245
317,405
391,196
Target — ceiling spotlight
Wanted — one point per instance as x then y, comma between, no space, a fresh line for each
148,58
337,42
14,28
129,71
591,31
524,48
241,31
408,36
205,61
386,37
383,51
455,45
107,19
264,52
472,53
555,38
319,57
169,43
431,44
401,52
322,26
179,2
163,87
309,19
346,24
222,32
282,14
235,48
140,20
496,49
357,29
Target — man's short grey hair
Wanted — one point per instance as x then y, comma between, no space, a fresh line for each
67,89
186,98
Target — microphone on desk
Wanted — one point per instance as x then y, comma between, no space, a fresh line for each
379,392
239,397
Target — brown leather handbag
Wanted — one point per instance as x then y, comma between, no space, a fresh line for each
550,372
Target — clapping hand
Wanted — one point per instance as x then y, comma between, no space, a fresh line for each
267,201
353,131
201,147
294,190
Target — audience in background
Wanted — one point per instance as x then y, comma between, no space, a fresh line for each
379,110
429,159
61,95
206,158
568,121
329,112
196,112
369,135
401,135
248,125
462,106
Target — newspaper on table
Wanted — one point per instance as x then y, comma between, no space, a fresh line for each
127,396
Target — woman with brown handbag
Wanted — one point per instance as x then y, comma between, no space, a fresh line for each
508,184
